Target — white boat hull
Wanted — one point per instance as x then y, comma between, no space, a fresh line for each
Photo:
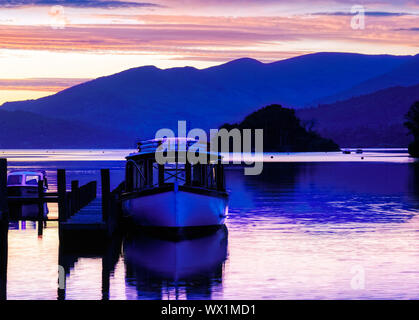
179,209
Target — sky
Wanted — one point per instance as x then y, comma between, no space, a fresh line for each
49,45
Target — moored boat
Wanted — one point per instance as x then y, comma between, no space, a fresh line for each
25,183
174,195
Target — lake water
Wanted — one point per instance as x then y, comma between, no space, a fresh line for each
311,226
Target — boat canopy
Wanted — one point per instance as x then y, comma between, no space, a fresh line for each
149,148
143,171
26,178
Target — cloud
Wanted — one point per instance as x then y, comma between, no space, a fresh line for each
106,4
407,29
367,13
40,84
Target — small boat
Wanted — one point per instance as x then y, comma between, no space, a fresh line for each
175,196
25,183
346,151
359,151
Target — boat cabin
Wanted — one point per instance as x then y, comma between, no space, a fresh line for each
143,172
26,179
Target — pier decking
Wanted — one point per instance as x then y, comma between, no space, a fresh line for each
88,218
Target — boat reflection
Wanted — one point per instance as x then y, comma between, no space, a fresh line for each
27,212
186,269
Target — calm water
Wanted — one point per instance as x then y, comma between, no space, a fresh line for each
309,229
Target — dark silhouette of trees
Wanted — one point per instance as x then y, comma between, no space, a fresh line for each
412,124
283,131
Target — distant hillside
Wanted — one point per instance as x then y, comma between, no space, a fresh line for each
372,120
142,100
283,131
19,129
114,111
407,74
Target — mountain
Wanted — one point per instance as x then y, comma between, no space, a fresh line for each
371,120
406,74
142,100
20,129
137,102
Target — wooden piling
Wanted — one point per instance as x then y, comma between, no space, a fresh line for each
4,229
106,193
4,211
41,207
61,188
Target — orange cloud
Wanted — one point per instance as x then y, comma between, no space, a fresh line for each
168,34
39,84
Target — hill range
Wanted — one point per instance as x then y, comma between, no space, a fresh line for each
356,95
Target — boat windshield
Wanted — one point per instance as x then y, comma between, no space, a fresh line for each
32,180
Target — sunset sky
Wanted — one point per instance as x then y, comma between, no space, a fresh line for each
48,45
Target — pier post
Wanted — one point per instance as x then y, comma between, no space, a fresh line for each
41,206
4,229
61,186
4,211
106,193
75,196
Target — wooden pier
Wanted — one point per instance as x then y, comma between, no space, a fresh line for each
84,219
94,223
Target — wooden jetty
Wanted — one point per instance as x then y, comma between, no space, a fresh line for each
94,220
87,225
83,218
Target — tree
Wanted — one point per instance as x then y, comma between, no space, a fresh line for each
412,124
283,131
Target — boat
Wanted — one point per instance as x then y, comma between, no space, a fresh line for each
359,151
25,183
175,196
346,151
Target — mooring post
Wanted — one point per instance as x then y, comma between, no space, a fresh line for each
4,211
75,196
4,229
41,206
62,189
106,193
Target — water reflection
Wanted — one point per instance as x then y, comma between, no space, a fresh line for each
295,232
414,181
27,212
109,253
164,269
323,193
